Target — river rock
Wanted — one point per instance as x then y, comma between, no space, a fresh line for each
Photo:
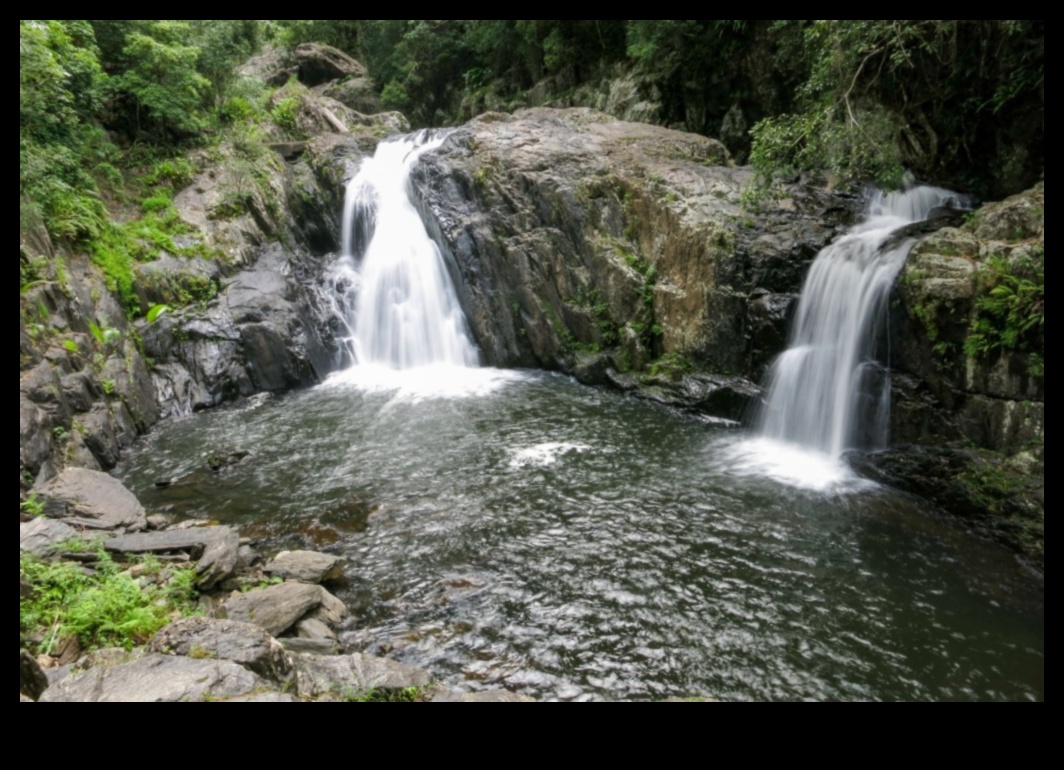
96,501
306,567
32,680
40,536
241,643
157,679
277,608
353,676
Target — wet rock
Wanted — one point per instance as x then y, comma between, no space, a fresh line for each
728,398
306,567
353,676
157,679
277,608
41,536
499,696
32,680
96,501
1000,499
242,643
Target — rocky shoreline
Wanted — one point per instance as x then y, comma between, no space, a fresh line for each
262,630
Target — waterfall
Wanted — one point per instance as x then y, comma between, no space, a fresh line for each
391,287
828,392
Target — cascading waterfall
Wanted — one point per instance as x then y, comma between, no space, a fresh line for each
392,287
828,392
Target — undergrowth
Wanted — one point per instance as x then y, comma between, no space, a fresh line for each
102,607
1010,313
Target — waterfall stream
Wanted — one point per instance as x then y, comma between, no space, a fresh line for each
829,392
399,301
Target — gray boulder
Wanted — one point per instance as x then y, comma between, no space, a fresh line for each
41,536
353,676
241,643
96,501
306,567
157,679
277,608
319,64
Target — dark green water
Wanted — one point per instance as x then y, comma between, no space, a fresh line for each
576,545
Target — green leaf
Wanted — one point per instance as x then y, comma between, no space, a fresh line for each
157,312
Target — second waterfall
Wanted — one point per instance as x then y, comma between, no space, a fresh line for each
393,289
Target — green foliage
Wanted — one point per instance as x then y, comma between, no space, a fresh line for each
1010,312
32,506
156,312
881,95
285,112
105,608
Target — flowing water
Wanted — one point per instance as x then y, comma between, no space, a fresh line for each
395,294
518,530
829,392
574,544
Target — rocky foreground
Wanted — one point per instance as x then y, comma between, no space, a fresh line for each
263,630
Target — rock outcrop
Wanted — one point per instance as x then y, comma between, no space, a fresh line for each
969,397
574,235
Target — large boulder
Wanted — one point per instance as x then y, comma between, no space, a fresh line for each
320,63
570,232
41,536
158,679
95,501
277,608
241,643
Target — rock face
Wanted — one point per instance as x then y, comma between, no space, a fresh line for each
84,394
973,413
157,679
574,235
995,400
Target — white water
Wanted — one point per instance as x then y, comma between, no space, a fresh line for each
828,392
393,289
